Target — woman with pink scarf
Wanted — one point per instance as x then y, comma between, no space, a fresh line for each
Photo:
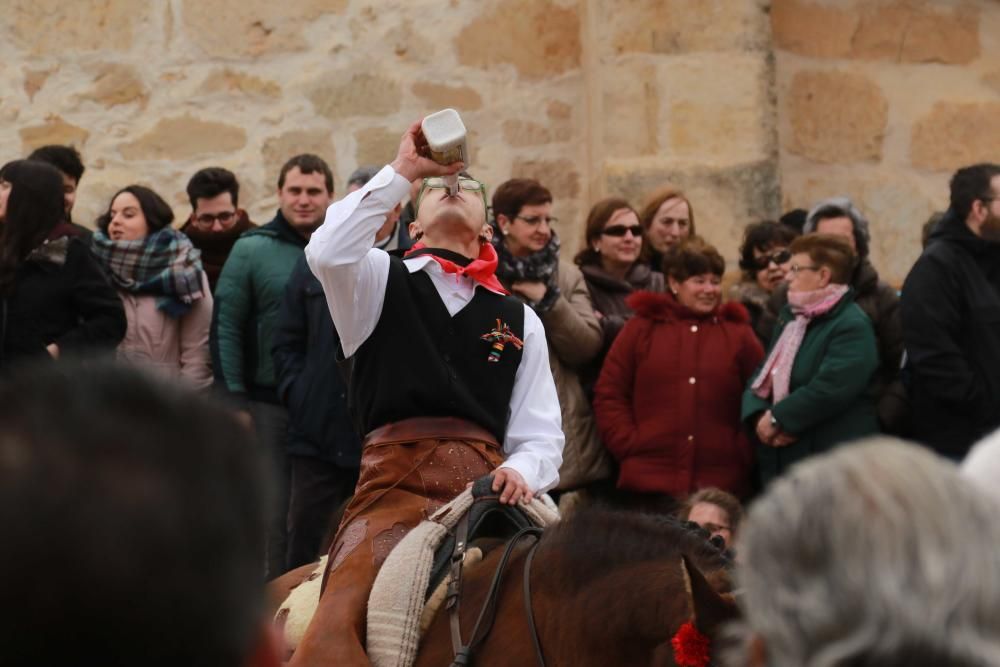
812,392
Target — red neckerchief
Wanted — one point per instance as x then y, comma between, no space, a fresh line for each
482,269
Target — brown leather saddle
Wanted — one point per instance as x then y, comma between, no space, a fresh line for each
487,518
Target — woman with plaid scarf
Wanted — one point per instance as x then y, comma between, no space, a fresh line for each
160,280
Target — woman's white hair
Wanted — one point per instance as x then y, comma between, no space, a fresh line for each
982,465
877,553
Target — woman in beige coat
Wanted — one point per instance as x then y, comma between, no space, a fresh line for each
529,266
161,283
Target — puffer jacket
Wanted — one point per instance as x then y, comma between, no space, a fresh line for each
173,347
668,399
248,298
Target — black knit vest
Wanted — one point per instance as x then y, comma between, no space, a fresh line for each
422,362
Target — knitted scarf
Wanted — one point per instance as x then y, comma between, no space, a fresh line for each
541,266
163,264
775,377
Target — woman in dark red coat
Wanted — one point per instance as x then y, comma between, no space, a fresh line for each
668,400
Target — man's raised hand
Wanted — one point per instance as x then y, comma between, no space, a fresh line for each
412,162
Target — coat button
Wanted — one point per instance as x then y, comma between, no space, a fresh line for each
690,438
694,328
691,380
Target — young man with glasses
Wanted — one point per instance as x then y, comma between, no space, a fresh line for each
216,220
450,378
951,319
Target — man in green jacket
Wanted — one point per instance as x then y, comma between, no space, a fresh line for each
247,301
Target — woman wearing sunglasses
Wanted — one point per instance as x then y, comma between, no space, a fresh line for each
610,262
813,392
668,399
764,259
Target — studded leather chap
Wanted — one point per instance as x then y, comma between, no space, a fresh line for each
401,483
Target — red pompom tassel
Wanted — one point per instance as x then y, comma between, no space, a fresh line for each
691,647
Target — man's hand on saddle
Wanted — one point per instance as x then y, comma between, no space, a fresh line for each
413,159
511,486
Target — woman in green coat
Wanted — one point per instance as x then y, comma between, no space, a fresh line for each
812,391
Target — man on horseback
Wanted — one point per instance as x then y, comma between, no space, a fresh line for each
449,377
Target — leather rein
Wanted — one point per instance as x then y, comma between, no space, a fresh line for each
487,614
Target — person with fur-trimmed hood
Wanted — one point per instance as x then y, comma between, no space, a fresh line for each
879,301
668,399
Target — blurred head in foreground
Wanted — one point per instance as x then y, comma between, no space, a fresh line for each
132,515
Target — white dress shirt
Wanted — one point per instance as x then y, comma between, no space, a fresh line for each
354,276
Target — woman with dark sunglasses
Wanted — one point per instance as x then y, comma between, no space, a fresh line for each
764,259
611,265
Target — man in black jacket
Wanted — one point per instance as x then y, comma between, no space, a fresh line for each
324,450
951,319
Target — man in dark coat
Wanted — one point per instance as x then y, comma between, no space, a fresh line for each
951,319
324,450
70,165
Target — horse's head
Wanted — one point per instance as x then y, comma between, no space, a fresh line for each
711,608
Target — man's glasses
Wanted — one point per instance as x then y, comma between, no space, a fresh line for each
538,219
779,258
208,219
796,269
621,230
437,183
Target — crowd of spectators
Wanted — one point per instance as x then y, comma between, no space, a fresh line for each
678,395
668,382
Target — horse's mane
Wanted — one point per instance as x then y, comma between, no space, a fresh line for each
594,541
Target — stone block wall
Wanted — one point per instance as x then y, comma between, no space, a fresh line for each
683,93
751,105
882,100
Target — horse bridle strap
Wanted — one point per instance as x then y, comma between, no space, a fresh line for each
463,652
527,604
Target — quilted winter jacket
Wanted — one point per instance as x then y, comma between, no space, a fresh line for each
668,399
248,297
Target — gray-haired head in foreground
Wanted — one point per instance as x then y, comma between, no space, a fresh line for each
878,553
360,176
982,465
836,207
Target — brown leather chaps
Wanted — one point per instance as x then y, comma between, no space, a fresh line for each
408,470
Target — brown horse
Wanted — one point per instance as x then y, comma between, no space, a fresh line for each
607,588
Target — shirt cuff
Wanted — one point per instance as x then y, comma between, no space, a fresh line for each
530,469
388,186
